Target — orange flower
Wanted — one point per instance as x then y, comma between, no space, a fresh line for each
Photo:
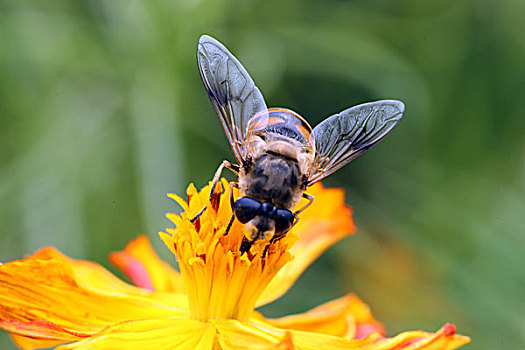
49,299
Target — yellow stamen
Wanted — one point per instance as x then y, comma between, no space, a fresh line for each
221,281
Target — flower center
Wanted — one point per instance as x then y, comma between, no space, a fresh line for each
221,281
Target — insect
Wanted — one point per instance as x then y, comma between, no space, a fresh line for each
279,155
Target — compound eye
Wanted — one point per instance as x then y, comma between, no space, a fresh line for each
283,220
246,208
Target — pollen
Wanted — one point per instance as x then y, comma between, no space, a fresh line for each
220,280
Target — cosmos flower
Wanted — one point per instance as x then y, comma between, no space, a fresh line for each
49,299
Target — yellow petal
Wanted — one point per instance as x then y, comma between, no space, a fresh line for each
145,269
42,331
346,317
325,222
444,339
44,299
89,274
154,334
259,335
96,278
27,343
314,341
235,335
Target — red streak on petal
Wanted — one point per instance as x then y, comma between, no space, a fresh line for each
197,224
216,200
40,330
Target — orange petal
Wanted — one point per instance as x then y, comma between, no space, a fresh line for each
145,269
157,334
325,222
346,317
44,299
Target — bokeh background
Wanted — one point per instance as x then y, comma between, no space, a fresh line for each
102,112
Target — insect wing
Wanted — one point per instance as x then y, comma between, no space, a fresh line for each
231,90
343,137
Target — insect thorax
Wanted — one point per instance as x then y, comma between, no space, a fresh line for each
272,178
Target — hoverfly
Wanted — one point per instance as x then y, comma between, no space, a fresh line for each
279,155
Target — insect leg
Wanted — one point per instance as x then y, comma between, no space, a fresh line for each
229,225
192,220
310,198
225,163
281,235
273,240
232,203
246,244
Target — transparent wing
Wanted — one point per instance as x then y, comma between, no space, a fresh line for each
343,137
231,90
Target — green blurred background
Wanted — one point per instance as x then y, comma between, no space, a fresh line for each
102,112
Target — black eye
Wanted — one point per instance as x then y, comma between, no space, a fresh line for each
283,220
246,208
